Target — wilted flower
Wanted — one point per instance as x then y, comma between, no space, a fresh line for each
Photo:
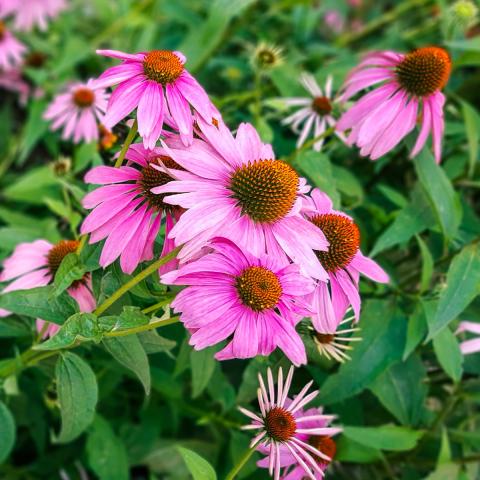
156,83
233,187
291,437
257,300
35,265
31,13
384,116
472,345
266,56
11,50
315,113
78,110
343,262
126,212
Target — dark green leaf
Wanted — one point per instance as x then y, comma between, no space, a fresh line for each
70,269
448,353
77,395
7,432
416,329
154,343
202,364
472,126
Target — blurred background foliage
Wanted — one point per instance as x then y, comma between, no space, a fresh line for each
408,399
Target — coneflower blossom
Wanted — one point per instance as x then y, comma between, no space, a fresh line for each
472,345
233,187
31,13
125,212
157,84
411,89
257,300
11,50
294,438
78,110
35,264
343,262
315,113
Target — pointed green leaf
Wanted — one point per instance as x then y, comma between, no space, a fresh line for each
7,432
448,353
70,269
202,364
385,437
197,466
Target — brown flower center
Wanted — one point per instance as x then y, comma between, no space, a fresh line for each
162,66
35,59
83,97
265,189
321,105
58,252
343,236
259,288
151,177
280,424
324,338
325,445
424,71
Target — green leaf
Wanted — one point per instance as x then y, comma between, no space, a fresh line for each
427,265
130,317
316,166
416,330
40,302
77,395
350,451
35,128
202,364
448,353
154,343
197,466
347,183
70,269
442,196
463,285
472,125
129,352
385,437
7,432
402,390
445,471
106,454
383,334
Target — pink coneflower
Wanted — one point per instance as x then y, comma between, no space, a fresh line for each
31,13
234,188
294,438
156,82
384,116
258,300
472,345
343,261
78,110
334,21
11,50
125,212
315,113
34,265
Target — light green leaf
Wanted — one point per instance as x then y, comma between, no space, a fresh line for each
448,353
472,129
70,269
35,127
77,395
383,334
40,302
350,451
197,466
385,437
427,265
202,364
7,432
442,196
130,353
463,285
106,454
416,330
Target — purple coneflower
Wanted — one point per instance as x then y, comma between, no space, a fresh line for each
125,212
293,438
11,50
343,262
384,116
231,293
157,84
315,113
31,13
78,110
35,265
233,187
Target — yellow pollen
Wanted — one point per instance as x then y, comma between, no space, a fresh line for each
258,288
424,71
265,190
162,66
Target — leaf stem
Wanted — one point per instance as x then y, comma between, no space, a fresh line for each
143,328
130,137
241,463
135,280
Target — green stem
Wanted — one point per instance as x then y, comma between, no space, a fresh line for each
309,143
135,280
158,305
130,137
241,462
143,328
